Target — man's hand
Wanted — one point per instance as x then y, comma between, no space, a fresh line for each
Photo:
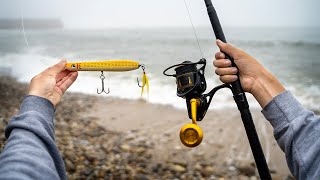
53,82
249,68
254,78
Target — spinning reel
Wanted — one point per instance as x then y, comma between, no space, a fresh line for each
191,84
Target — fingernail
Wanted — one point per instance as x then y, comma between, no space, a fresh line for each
63,61
227,62
235,78
221,55
234,70
219,42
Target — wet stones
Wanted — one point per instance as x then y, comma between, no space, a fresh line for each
91,151
246,168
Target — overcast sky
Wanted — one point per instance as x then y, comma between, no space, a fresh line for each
154,13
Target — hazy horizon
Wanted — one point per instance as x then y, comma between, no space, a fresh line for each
18,20
99,14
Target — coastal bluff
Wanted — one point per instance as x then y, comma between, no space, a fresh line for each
33,24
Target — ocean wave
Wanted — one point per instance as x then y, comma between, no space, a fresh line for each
123,85
256,43
308,96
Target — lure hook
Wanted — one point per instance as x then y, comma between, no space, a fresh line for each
102,77
138,82
143,69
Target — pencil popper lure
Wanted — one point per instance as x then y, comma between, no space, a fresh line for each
111,65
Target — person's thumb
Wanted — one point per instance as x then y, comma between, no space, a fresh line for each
57,68
227,48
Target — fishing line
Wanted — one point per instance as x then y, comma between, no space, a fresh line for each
194,31
22,24
43,62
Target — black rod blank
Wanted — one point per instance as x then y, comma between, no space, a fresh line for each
242,103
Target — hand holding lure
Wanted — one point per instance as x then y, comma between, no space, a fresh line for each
110,65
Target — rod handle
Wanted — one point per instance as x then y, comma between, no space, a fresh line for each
216,26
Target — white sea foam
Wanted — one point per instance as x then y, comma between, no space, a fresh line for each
124,85
160,51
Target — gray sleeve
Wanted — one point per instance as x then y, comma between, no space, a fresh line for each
297,132
31,152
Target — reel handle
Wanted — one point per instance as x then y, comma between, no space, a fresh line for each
191,135
194,105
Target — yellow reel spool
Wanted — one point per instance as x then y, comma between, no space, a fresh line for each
191,135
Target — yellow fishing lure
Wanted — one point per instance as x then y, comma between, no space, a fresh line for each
104,65
110,65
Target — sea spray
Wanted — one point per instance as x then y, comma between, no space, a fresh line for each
291,55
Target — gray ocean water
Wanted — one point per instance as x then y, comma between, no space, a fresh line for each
292,54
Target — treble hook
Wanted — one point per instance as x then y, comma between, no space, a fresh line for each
143,68
102,77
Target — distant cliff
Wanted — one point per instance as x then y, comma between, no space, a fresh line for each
31,24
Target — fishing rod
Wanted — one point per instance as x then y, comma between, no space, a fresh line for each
191,85
241,101
110,65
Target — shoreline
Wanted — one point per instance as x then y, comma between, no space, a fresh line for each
103,137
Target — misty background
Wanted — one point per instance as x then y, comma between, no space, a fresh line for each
166,13
283,35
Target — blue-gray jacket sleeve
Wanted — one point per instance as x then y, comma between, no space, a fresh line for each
31,152
297,132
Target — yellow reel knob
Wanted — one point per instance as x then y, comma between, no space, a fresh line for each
191,135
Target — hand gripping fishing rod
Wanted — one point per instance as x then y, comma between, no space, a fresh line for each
191,85
241,100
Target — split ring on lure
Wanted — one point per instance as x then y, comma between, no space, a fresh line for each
110,65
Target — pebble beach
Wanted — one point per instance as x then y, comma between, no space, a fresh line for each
111,138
